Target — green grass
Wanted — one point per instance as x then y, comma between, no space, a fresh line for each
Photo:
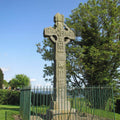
10,109
39,109
81,106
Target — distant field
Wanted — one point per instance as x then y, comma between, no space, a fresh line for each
10,109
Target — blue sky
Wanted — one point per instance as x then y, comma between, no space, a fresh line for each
21,28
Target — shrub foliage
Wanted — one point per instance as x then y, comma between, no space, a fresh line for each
9,97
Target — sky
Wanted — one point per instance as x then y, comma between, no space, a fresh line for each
21,27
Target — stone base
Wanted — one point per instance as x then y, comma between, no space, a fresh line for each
60,105
61,110
61,114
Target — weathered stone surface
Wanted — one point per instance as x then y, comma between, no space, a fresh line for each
61,115
60,35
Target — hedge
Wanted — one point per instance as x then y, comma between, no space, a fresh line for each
9,97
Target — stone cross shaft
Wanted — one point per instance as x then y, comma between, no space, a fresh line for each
60,35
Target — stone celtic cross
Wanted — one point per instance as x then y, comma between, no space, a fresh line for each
60,35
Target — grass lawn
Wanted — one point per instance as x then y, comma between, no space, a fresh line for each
10,109
81,106
14,110
100,113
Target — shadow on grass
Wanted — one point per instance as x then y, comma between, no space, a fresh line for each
43,116
13,109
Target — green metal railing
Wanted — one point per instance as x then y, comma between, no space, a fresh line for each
91,103
25,103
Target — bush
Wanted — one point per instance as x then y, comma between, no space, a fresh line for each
117,106
9,97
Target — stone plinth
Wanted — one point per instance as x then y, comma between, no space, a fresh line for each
60,105
61,114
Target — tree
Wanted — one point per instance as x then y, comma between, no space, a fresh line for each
97,28
20,81
94,57
1,79
5,83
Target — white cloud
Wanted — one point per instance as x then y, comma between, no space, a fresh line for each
32,79
5,69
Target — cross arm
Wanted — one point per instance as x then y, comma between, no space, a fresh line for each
50,32
67,41
69,33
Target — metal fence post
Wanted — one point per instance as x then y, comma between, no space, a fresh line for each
25,103
113,103
5,115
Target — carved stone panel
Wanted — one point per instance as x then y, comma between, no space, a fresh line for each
60,47
61,69
49,31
